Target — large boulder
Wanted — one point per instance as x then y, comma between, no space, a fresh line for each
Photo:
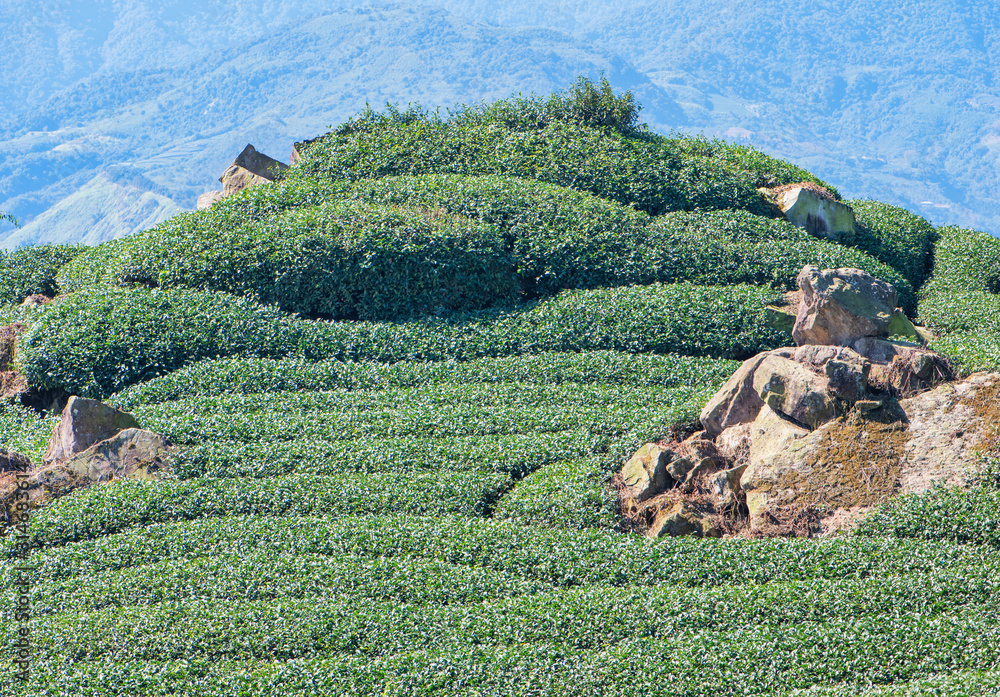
682,519
791,389
736,402
249,169
815,210
84,422
130,454
840,306
208,199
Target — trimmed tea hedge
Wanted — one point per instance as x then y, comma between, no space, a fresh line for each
725,247
559,556
340,259
895,236
642,172
570,494
32,270
95,343
965,260
263,375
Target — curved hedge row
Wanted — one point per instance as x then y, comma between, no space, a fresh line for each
896,237
646,173
95,343
338,259
264,375
965,260
561,238
724,247
32,270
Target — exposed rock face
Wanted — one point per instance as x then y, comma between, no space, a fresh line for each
208,198
84,422
13,462
736,403
840,306
853,462
683,519
36,300
815,210
132,453
249,169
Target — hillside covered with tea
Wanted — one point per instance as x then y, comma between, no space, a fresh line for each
397,384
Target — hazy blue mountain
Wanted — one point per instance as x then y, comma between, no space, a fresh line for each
894,100
890,100
180,126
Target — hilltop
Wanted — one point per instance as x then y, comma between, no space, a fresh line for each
397,384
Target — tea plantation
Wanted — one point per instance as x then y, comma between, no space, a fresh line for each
399,380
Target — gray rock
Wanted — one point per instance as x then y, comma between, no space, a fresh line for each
84,422
840,306
818,213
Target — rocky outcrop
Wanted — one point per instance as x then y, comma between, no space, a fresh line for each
93,443
84,422
208,199
840,306
813,208
817,432
250,168
130,454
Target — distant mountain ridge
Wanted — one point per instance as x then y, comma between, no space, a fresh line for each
901,109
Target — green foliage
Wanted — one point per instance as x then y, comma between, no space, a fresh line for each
32,270
972,350
570,494
724,247
24,431
969,515
583,103
95,343
640,172
766,171
263,375
965,260
104,510
513,454
561,238
895,236
553,555
436,410
335,259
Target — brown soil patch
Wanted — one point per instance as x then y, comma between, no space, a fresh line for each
786,521
12,384
816,188
857,460
985,403
8,343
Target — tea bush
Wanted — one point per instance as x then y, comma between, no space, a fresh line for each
263,375
32,270
640,172
95,343
570,494
725,247
896,237
333,259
